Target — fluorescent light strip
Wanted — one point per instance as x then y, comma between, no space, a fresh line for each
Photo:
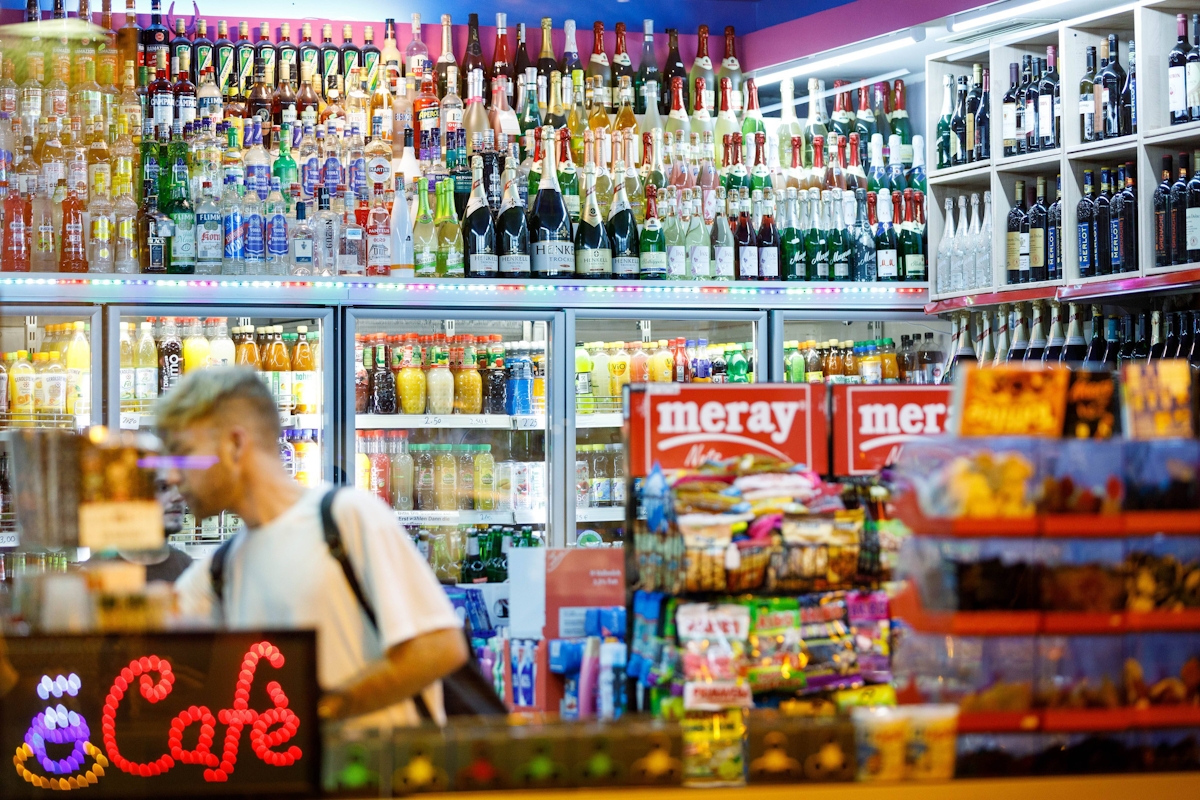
830,62
1006,13
461,287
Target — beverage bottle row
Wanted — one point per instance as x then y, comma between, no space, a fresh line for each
964,255
155,354
1176,229
599,476
53,386
964,131
1183,73
300,451
1031,109
1107,222
437,476
437,374
472,554
1033,239
1107,94
856,362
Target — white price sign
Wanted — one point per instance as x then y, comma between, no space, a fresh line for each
528,423
427,517
432,421
9,540
130,422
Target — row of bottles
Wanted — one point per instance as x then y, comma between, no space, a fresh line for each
1176,227
52,385
964,254
1033,250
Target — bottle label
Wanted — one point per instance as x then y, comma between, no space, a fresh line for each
1193,84
722,262
1087,116
234,235
698,261
302,251
1052,248
333,171
1023,242
1046,117
356,178
1177,90
156,247
162,108
128,383
748,261
514,264
183,242
258,178
768,262
23,389
914,266
484,264
455,264
1192,227
554,258
625,267
821,262
425,263
677,261
277,235
887,263
379,250
185,109
1037,247
379,169
841,263
255,245
572,201
1085,249
653,264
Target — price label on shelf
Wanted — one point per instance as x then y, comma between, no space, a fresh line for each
130,422
432,421
493,517
427,517
529,423
9,540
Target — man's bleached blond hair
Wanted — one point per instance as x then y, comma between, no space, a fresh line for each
215,392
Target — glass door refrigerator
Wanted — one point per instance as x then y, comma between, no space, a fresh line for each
615,348
50,377
834,344
150,347
453,424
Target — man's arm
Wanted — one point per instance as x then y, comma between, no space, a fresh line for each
408,668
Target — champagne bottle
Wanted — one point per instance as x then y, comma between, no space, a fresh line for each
551,243
479,229
593,252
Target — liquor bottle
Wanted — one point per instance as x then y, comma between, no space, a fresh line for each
552,246
445,61
502,67
416,53
1128,220
522,61
155,36
769,240
370,55
425,241
902,126
721,244
183,218
673,68
1049,105
1054,234
266,54
1038,224
308,53
622,68
647,71
243,51
593,250
943,123
1055,340
1087,98
1015,244
1033,107
1140,349
1103,229
330,61
1178,212
599,72
130,47
959,154
814,126
180,44
622,229
838,242
974,98
1163,237
479,229
1020,336
1157,343
887,242
1075,349
546,62
912,243
1037,338
571,60
1129,95
1112,79
983,121
864,126
349,57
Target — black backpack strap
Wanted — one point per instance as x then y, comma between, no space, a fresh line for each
337,549
216,573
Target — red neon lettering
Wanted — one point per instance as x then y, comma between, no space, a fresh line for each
262,738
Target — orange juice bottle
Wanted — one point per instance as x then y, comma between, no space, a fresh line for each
618,368
638,362
305,380
79,372
278,365
247,349
468,384
22,381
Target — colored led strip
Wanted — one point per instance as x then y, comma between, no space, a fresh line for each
59,726
193,283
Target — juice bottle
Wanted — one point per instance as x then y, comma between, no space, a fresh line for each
537,358
485,478
383,384
495,381
170,356
221,350
468,385
445,475
872,365
585,401
402,472
423,478
639,362
410,380
439,383
195,346
466,476
246,354
681,364
127,374
145,369
618,369
278,366
39,361
702,366
662,363
305,382
601,382
890,366
362,462
381,468
79,373
21,384
54,386
851,367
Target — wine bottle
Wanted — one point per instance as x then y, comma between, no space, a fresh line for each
1037,235
983,121
1104,241
479,229
593,252
1049,104
769,240
1128,216
958,127
887,243
1177,94
721,242
598,69
1178,213
1013,244
551,242
622,230
837,242
652,249
1163,238
1075,349
570,60
1193,72
1087,98
673,68
943,124
912,243
1037,339
647,71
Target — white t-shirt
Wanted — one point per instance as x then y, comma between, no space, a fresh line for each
282,576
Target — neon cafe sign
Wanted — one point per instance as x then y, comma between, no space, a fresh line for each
86,765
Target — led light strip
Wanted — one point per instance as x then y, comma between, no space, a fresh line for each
177,283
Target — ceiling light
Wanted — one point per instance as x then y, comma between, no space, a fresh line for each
958,24
834,61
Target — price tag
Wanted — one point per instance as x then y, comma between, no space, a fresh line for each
528,423
427,517
432,421
493,517
82,421
9,540
130,422
286,420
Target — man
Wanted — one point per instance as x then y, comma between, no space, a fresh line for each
222,425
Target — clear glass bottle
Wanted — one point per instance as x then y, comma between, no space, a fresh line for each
301,244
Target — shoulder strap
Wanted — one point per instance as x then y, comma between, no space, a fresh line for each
216,572
333,538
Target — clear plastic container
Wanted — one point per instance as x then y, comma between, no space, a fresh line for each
439,384
403,482
600,486
616,454
423,474
485,478
468,384
583,471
